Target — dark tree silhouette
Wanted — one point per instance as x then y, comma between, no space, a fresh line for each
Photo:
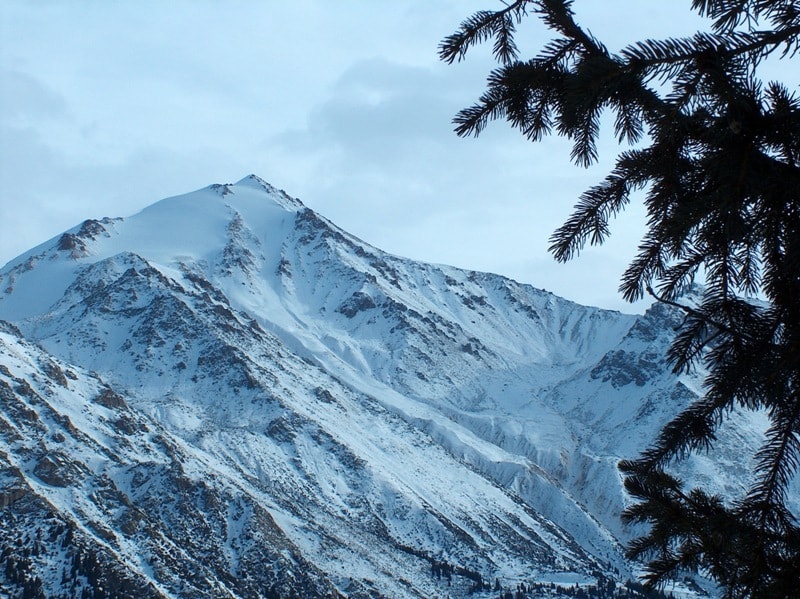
715,151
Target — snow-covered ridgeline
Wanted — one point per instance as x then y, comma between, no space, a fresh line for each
379,412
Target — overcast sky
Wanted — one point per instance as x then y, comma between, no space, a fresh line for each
109,106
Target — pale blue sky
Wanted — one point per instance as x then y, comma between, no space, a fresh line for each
110,106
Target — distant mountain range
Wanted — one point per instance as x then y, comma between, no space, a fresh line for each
226,395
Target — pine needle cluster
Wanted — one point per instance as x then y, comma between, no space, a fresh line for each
715,152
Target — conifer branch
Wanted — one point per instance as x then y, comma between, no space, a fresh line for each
720,168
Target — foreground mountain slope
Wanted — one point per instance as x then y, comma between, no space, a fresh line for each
378,416
96,495
202,519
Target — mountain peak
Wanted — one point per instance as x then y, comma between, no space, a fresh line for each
281,197
254,180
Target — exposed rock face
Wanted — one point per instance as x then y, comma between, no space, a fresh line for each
229,396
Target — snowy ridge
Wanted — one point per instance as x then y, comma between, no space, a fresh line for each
381,421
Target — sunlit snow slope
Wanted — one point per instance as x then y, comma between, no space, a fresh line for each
291,396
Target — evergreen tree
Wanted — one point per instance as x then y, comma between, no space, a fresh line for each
716,152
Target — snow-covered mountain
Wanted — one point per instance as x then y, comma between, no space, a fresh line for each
226,395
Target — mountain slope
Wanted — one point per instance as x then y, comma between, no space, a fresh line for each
371,416
88,491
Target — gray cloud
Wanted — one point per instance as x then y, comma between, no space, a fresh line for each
28,99
382,149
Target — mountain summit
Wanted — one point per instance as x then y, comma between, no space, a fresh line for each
227,395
